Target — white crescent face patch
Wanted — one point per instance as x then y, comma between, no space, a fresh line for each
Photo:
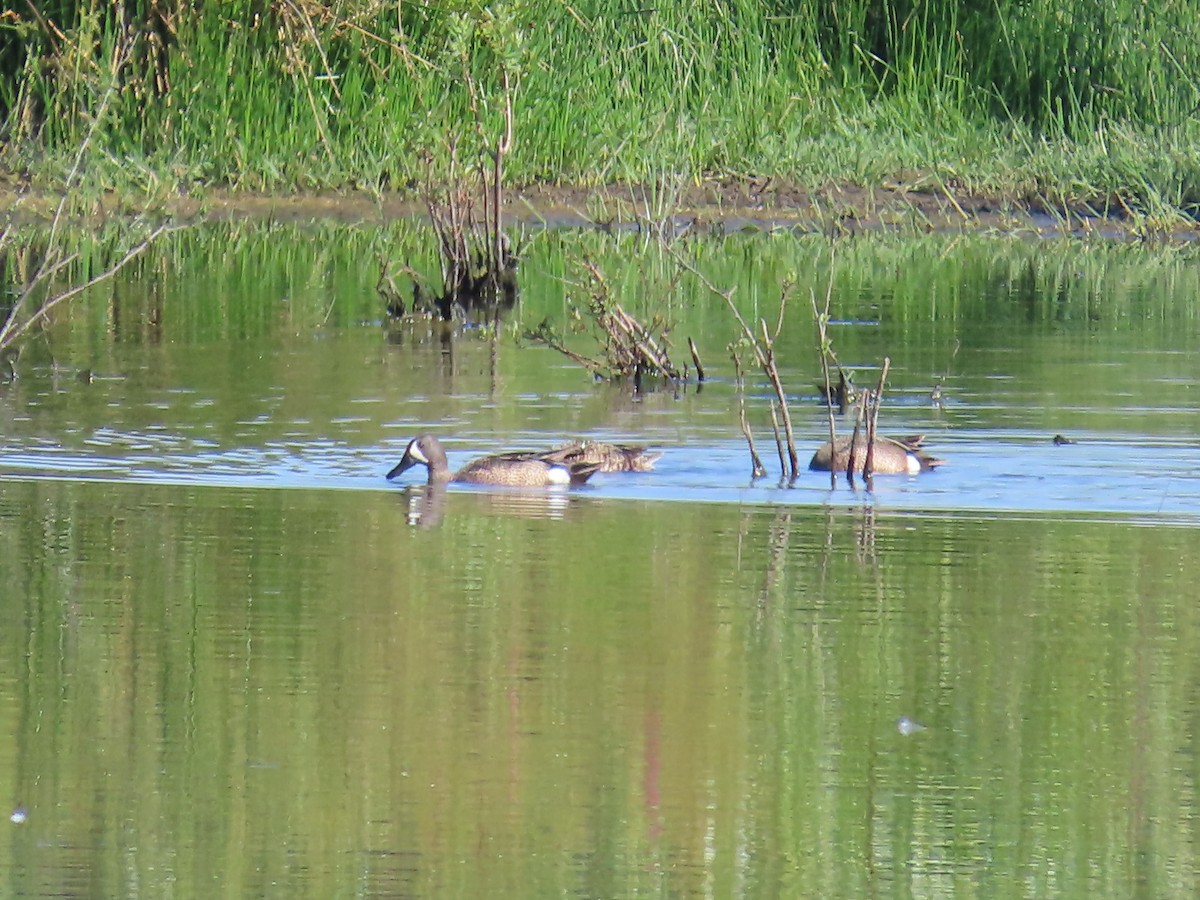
414,450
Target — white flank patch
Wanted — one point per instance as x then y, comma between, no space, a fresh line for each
559,475
913,464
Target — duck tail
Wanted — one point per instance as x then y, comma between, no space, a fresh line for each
581,472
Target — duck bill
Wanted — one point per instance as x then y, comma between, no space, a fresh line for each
401,467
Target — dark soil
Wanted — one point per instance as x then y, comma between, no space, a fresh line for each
717,206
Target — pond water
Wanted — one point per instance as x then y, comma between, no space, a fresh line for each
239,662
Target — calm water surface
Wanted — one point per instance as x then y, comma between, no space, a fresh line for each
238,662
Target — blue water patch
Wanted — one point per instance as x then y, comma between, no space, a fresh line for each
988,472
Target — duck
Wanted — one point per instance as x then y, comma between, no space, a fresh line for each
519,469
841,394
610,457
893,456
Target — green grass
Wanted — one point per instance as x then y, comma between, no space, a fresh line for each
1075,99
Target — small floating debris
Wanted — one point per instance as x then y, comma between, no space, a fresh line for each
1060,440
907,726
19,815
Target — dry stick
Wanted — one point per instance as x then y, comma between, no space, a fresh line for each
503,147
450,263
635,332
758,469
773,374
312,101
696,360
778,442
12,328
763,352
648,352
873,419
630,346
822,319
8,335
50,265
481,169
487,235
787,416
766,361
592,365
852,457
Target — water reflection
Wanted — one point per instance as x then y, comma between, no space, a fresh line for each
427,503
236,667
633,696
1093,475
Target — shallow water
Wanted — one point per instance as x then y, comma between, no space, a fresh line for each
986,473
239,662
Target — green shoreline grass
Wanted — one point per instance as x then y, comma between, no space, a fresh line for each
1079,101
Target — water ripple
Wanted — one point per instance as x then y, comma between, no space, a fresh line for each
985,472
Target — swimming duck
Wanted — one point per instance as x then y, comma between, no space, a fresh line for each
520,469
841,394
610,457
893,456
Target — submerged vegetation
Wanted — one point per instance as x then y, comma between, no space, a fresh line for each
1038,101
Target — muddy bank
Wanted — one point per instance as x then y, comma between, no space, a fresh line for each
716,206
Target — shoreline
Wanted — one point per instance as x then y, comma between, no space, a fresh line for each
716,206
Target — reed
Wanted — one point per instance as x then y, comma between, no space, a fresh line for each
1042,98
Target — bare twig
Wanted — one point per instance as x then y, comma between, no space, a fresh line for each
873,420
545,334
767,359
18,321
758,470
852,455
778,440
15,327
764,353
825,350
630,348
763,345
478,268
696,360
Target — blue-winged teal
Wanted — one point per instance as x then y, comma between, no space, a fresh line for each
893,456
609,457
521,469
841,394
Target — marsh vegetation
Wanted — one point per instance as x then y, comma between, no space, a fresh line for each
1049,103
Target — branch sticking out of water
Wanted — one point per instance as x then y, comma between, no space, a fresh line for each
762,344
757,470
860,414
631,349
17,325
825,350
478,266
696,360
873,420
778,439
27,311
